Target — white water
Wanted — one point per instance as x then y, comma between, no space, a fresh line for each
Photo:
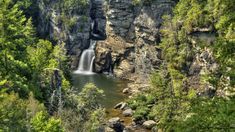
87,60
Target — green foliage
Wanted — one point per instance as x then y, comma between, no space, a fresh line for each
136,2
142,105
67,10
16,34
95,123
191,94
3,84
211,13
223,12
208,115
23,59
141,113
13,113
42,123
44,59
140,2
38,55
16,113
224,53
176,106
74,4
91,94
58,57
83,112
84,19
70,22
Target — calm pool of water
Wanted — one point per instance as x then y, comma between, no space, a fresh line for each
111,86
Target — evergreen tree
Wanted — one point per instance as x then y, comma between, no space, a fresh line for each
16,34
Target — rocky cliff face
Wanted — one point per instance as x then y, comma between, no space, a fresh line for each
130,50
72,22
70,25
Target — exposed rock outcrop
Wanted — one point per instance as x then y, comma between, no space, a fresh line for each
132,38
71,26
72,23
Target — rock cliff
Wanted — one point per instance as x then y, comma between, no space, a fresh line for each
72,22
131,48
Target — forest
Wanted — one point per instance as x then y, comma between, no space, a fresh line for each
36,82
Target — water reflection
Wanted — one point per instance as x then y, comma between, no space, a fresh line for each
111,86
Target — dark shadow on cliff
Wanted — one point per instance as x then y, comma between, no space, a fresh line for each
98,24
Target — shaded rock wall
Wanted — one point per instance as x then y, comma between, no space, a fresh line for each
72,23
132,39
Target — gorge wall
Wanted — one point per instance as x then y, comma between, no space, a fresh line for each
72,22
131,49
69,24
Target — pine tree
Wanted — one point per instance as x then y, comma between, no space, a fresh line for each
16,33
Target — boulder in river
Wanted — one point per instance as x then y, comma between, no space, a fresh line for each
127,112
126,90
115,123
108,129
121,105
149,124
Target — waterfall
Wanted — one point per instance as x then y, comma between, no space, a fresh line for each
87,60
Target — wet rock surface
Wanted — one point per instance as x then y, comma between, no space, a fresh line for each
116,124
121,106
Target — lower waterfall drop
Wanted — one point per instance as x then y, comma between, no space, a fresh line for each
87,60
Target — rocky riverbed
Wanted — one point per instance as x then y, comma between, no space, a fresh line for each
120,120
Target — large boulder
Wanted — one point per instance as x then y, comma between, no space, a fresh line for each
127,112
108,129
149,124
103,60
115,123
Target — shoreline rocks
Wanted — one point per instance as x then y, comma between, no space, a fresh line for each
126,91
127,112
115,124
121,106
149,124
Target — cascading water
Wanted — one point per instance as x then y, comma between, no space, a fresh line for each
87,60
